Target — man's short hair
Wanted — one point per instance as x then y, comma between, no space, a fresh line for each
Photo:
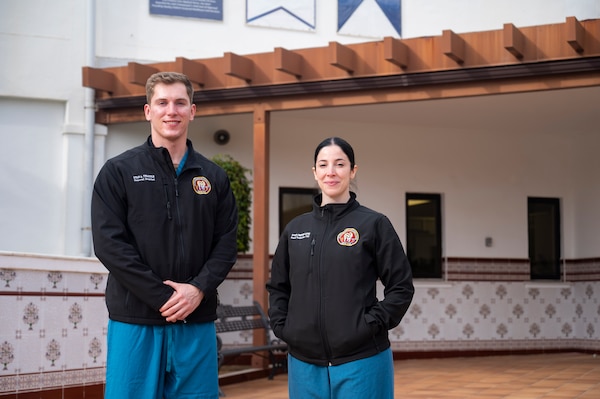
168,78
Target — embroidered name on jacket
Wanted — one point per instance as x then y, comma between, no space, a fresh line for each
201,185
299,236
348,237
139,178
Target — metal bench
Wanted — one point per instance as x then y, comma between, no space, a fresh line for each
241,318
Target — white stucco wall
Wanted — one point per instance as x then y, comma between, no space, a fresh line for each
586,213
156,37
430,17
484,184
43,47
484,175
31,175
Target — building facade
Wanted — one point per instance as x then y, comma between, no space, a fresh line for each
486,107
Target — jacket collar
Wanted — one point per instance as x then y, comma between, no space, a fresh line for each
162,155
335,211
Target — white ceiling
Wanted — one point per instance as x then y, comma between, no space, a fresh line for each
576,110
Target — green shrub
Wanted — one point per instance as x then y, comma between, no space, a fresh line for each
242,191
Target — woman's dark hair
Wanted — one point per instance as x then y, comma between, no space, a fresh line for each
343,144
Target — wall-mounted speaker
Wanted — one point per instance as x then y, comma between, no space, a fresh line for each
221,137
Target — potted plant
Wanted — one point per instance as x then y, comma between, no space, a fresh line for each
240,185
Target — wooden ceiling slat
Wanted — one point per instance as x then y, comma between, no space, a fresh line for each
342,57
98,79
453,46
514,41
288,62
575,34
238,66
139,73
195,71
395,52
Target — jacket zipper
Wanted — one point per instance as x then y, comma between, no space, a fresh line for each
322,321
179,231
166,186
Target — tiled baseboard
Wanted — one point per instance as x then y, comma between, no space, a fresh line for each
82,392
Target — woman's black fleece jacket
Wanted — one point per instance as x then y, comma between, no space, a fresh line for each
322,290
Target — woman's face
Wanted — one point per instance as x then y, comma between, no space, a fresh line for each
333,174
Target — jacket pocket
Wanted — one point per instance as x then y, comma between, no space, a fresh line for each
373,324
303,338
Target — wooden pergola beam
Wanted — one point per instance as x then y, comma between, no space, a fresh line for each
507,47
453,46
289,62
98,79
195,71
342,57
139,73
238,66
260,219
395,51
575,33
514,40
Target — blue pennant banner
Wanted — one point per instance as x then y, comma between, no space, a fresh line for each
371,18
286,14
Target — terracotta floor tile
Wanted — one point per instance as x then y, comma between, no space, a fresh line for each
548,376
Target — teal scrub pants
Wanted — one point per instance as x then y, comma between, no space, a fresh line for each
161,362
370,378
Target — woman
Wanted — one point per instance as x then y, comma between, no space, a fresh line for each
322,291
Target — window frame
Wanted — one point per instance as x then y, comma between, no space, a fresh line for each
554,273
436,271
291,191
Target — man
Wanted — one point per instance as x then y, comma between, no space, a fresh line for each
164,223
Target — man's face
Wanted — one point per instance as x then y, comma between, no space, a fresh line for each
169,113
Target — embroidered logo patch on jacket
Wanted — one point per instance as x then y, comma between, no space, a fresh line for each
201,185
348,237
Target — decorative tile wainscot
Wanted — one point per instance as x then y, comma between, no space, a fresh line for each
52,324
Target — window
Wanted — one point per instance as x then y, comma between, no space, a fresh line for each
294,202
544,237
424,234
